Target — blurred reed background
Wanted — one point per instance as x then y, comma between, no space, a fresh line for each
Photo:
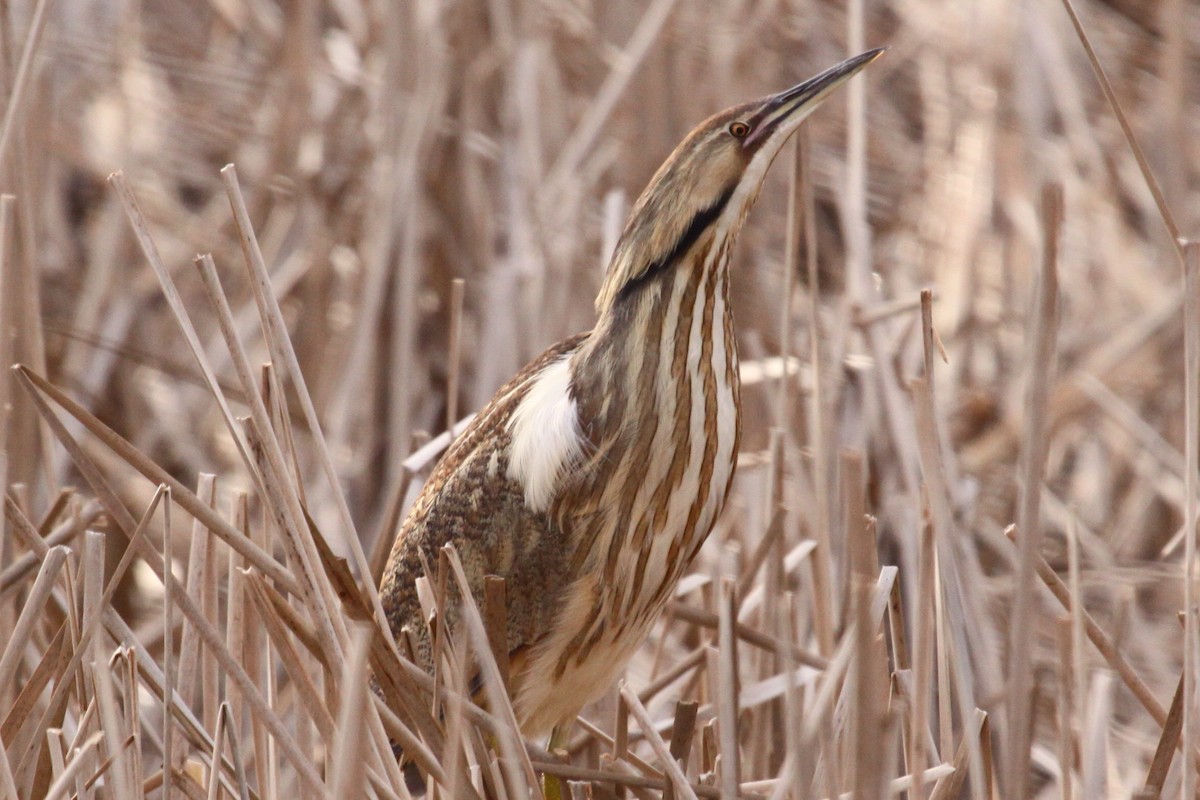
434,186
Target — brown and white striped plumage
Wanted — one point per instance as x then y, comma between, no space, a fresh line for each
592,478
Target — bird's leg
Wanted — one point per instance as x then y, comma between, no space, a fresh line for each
552,786
558,737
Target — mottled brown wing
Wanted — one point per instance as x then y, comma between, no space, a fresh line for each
470,502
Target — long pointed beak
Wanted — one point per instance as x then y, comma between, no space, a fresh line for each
793,105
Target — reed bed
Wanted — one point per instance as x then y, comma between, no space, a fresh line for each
956,561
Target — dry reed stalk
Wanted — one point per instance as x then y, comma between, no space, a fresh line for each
1094,752
236,627
453,360
583,138
235,753
189,647
185,498
952,785
1078,676
791,263
7,202
112,725
923,646
20,568
745,633
283,352
79,761
39,594
308,695
1191,361
1066,706
1156,776
727,684
207,633
729,788
1042,348
1160,202
820,414
869,720
1103,643
495,615
175,301
349,773
951,636
619,743
168,683
22,78
281,492
274,401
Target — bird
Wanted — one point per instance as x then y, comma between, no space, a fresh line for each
591,479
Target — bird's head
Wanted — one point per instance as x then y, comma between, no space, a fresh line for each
702,192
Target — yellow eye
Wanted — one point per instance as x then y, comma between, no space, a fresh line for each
739,130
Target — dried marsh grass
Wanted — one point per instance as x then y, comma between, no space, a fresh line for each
956,562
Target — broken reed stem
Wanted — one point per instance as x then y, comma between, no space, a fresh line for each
109,716
682,730
923,647
1042,344
670,765
869,719
974,737
621,779
495,617
951,636
82,757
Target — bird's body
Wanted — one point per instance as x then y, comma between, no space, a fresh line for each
592,478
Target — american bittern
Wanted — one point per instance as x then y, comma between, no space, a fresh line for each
591,479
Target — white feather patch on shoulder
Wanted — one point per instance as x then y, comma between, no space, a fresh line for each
547,440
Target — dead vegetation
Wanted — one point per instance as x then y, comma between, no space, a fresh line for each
955,562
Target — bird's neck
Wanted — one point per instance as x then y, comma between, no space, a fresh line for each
657,390
667,344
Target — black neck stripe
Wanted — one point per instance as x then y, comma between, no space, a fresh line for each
699,224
